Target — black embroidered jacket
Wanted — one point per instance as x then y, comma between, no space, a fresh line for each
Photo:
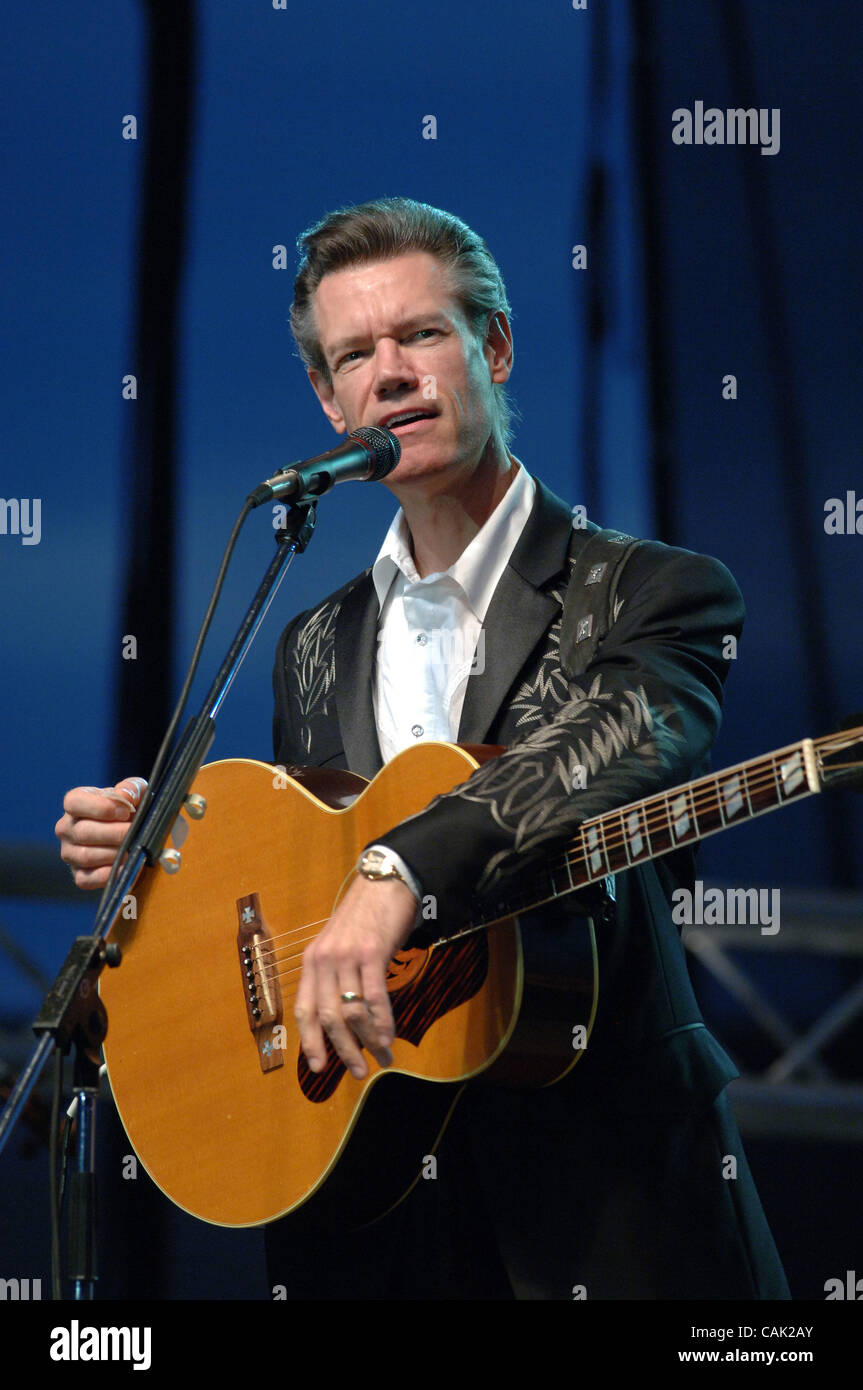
641,718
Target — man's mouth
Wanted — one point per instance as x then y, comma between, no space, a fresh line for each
408,419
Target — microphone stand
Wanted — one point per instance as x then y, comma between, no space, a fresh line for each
72,1014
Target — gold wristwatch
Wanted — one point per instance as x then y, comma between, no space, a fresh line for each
378,862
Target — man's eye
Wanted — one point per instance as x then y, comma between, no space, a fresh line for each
421,331
349,357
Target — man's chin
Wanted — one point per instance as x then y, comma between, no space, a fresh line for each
417,466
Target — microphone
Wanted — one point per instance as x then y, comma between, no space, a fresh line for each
368,454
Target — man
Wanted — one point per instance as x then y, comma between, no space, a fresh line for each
615,1183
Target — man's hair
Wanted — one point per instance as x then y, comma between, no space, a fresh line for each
380,230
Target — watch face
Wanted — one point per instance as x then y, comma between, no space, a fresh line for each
376,864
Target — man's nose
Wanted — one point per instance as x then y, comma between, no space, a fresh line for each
393,367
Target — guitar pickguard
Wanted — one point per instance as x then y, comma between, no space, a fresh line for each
451,975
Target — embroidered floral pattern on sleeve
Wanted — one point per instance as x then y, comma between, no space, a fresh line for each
314,663
540,789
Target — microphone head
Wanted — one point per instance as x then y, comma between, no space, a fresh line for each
385,448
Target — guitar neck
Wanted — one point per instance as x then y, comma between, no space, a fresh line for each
644,830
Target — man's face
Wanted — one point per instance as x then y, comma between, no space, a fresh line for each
398,345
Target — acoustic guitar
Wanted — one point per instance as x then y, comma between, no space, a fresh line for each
202,1049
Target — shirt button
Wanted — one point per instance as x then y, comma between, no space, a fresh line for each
421,639
417,731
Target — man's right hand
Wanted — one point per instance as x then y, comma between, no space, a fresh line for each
94,826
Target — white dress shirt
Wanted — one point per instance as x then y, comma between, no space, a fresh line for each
430,630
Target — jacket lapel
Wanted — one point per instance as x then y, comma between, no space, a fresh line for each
356,646
519,613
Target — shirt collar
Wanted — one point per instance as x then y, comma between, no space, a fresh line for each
480,565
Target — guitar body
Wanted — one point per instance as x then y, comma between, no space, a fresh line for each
202,1049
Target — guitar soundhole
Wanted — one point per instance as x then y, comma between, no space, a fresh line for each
441,980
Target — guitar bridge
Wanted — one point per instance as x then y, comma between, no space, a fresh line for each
260,977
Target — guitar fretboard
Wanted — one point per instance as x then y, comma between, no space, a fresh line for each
644,830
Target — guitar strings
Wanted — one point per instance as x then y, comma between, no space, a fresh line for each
656,813
699,797
611,841
568,858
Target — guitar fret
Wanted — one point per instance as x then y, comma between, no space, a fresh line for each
730,798
602,822
696,819
656,814
792,775
594,850
710,816
576,862
636,838
647,829
762,788
682,819
645,821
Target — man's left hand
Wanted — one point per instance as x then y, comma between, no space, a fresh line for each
372,921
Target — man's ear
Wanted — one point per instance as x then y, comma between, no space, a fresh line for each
498,349
323,389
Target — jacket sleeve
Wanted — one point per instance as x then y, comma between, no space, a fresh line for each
640,719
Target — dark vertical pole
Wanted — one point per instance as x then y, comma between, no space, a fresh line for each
138,1232
144,698
595,212
656,297
804,578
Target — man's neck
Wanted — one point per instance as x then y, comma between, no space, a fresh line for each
443,524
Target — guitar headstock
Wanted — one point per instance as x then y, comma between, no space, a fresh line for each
840,755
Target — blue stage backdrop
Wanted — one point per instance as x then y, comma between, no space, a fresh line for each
688,351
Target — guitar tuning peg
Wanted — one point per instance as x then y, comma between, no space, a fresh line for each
195,805
170,860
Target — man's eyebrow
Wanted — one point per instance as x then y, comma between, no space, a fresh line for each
402,327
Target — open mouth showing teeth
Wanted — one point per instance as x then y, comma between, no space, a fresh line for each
409,418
